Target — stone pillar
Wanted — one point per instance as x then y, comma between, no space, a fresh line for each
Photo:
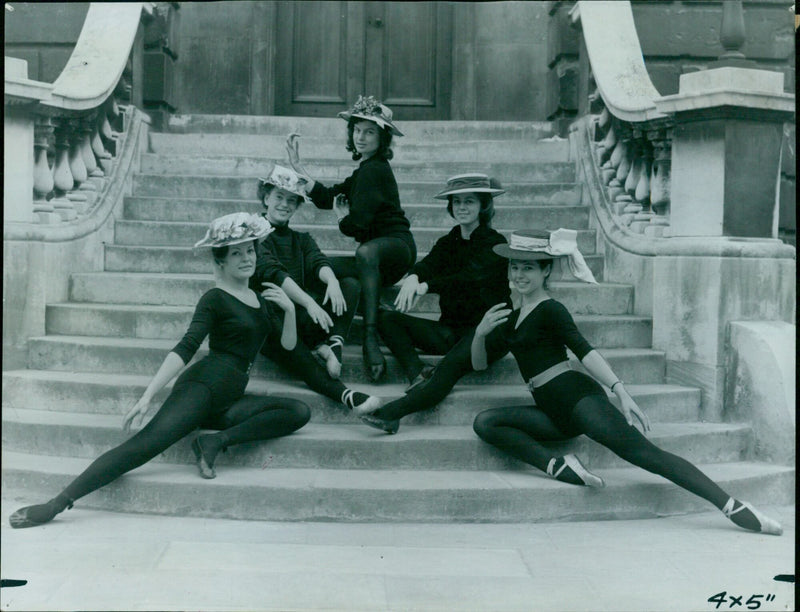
18,166
726,150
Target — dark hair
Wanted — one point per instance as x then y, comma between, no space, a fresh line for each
220,253
384,143
543,263
487,207
264,189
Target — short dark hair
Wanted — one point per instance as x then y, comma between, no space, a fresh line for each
487,207
543,263
384,143
264,189
220,253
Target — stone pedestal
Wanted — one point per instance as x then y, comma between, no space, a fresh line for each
726,151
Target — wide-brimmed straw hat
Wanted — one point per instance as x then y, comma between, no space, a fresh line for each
370,109
234,229
470,183
284,178
530,245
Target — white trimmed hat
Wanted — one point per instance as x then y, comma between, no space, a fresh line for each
530,245
285,178
234,229
370,109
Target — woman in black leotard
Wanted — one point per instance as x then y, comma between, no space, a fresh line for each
570,403
367,206
210,393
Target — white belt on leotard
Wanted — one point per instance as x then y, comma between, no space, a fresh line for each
542,378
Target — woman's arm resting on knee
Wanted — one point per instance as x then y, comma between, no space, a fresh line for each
494,317
297,295
172,364
599,368
333,293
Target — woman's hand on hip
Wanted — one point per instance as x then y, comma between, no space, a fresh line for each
494,317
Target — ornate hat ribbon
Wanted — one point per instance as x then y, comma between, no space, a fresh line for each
562,242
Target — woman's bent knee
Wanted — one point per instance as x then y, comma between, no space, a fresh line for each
484,424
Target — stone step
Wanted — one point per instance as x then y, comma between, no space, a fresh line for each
356,446
273,147
144,356
143,321
101,393
240,188
333,127
328,237
126,258
185,289
264,493
336,171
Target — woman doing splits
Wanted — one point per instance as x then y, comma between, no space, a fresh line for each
367,206
570,403
293,261
461,267
210,393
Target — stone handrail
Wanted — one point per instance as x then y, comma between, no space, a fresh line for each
632,138
74,126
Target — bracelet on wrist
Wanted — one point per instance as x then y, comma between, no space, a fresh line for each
619,382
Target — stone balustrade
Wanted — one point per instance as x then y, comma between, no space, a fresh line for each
73,125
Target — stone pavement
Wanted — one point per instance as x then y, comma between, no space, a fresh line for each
93,560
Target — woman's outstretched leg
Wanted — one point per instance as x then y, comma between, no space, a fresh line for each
519,431
181,413
601,421
249,419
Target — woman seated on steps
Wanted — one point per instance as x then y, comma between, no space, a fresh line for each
570,403
293,261
367,207
210,393
462,268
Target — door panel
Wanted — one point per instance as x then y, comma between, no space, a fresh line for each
330,52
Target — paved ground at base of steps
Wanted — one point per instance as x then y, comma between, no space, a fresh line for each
92,560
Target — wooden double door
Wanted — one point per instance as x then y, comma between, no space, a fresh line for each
327,53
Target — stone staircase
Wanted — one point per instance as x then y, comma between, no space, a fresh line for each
101,348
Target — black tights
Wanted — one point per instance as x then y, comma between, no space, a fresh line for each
452,367
403,334
188,407
302,364
519,430
380,262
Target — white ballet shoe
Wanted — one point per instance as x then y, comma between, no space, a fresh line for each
767,524
360,403
572,462
329,360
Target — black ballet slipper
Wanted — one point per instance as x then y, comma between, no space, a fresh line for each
570,469
33,516
747,517
205,468
386,426
374,360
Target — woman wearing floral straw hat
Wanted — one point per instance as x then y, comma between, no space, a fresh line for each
367,206
570,403
210,393
293,261
461,268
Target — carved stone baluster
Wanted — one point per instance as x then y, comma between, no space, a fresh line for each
62,175
92,183
99,150
642,193
43,209
615,185
660,182
626,205
605,148
77,168
609,169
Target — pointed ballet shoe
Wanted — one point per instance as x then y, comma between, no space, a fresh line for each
766,524
389,427
360,403
39,514
571,461
374,360
21,520
206,471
